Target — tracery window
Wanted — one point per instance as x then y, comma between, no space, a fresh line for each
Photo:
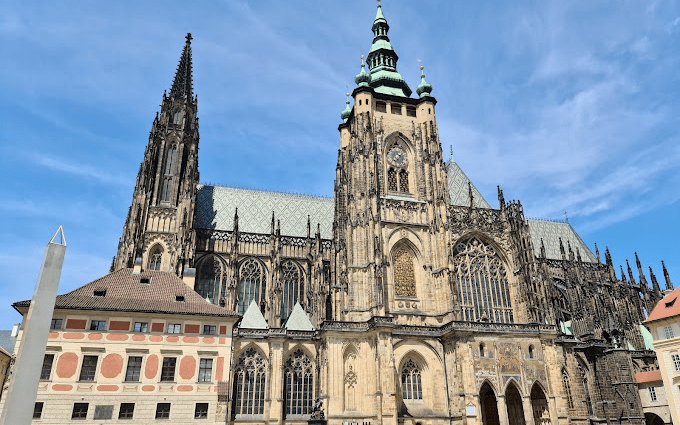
177,119
211,283
584,379
251,284
156,259
292,288
567,389
249,383
411,385
483,282
165,193
298,378
404,273
398,162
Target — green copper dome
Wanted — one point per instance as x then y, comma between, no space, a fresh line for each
424,88
382,61
346,112
363,78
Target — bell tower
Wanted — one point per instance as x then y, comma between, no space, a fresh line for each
158,232
391,196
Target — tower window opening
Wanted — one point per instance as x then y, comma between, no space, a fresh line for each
392,179
156,259
381,106
177,119
403,181
481,350
410,111
396,109
531,351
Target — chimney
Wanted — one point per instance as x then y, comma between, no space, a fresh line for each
189,277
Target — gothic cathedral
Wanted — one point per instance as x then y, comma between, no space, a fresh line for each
405,299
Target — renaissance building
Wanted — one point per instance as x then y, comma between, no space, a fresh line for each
407,298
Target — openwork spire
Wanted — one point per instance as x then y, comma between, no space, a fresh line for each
182,85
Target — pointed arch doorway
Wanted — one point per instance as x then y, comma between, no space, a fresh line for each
488,405
539,404
513,401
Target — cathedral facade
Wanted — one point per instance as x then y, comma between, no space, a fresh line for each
404,299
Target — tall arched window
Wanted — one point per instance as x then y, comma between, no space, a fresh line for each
483,282
177,119
165,193
567,389
209,282
392,179
584,379
156,259
170,160
292,288
249,383
403,181
411,385
251,284
404,273
298,377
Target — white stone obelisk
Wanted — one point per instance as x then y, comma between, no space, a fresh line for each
23,387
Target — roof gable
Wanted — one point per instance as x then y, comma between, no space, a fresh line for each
253,318
124,291
298,320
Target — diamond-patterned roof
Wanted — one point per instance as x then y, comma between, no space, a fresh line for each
253,318
298,320
215,207
458,188
551,232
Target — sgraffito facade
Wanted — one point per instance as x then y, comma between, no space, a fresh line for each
404,299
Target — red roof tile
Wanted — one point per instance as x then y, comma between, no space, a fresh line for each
653,376
124,292
669,306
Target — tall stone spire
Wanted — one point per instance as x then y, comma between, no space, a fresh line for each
182,85
666,276
382,61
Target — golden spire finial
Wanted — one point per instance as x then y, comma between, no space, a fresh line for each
362,56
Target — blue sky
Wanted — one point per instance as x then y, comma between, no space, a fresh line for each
568,106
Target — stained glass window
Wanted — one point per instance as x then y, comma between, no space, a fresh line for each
292,288
251,284
411,385
298,384
249,383
210,283
483,282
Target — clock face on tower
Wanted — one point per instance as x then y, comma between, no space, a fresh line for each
397,157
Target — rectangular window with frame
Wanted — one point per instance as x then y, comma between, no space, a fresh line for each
38,409
141,327
134,368
56,324
205,370
410,111
98,325
652,393
103,412
80,410
201,411
668,331
163,411
168,371
126,411
174,328
89,369
209,329
46,371
395,109
676,362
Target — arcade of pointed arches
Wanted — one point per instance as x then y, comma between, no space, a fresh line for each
249,389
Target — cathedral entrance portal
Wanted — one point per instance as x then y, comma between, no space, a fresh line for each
513,401
489,406
539,404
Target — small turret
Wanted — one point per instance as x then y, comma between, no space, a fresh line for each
630,273
424,88
655,283
623,275
597,253
346,112
564,257
363,78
